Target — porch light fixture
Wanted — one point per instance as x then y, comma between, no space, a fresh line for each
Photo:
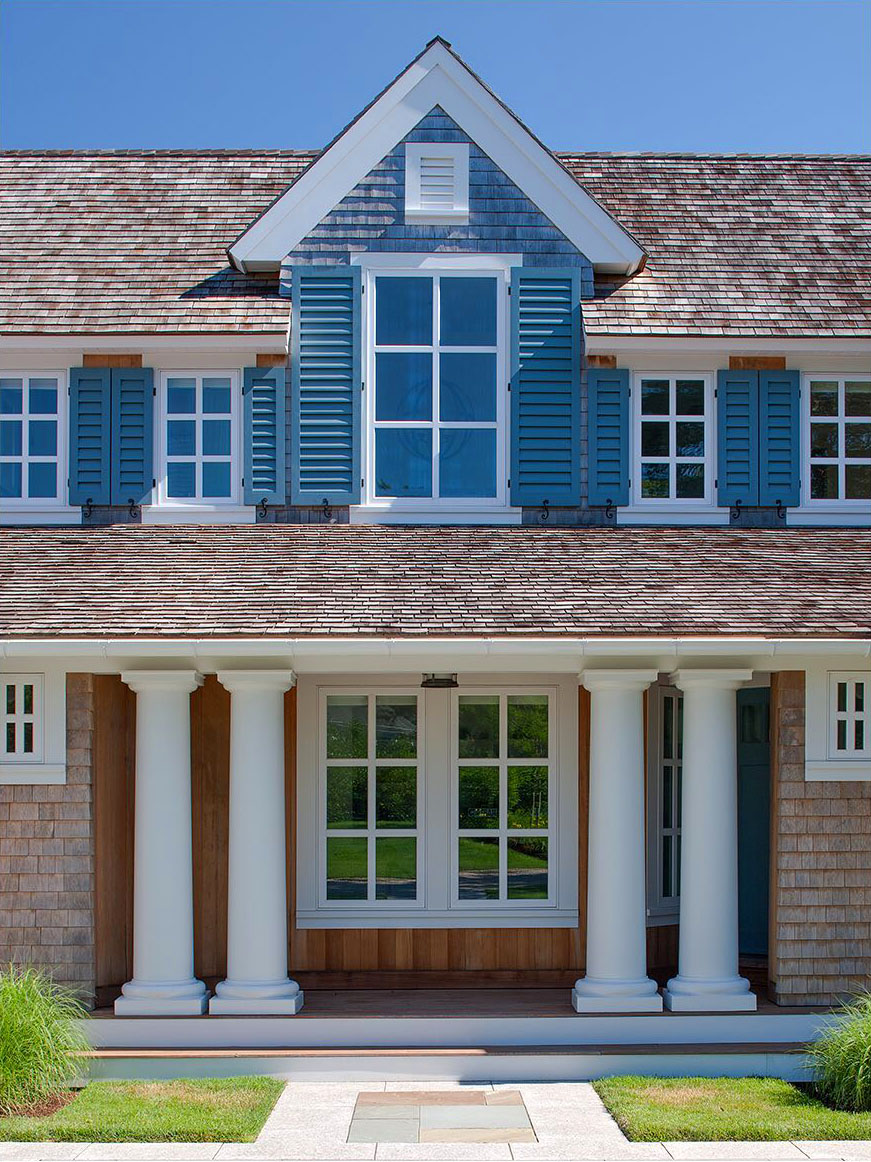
439,681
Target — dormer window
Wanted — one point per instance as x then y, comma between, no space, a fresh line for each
436,183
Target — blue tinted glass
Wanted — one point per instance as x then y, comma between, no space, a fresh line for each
467,462
216,396
42,480
181,437
216,437
10,480
403,462
10,438
403,311
216,479
403,386
467,315
468,387
10,397
43,397
42,437
181,480
181,396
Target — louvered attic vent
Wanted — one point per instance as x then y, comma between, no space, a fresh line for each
436,183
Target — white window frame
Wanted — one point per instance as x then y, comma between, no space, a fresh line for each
47,763
430,508
435,907
223,508
45,509
706,504
860,507
850,716
823,761
370,832
458,211
660,909
503,832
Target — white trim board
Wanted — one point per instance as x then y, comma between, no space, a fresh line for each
138,341
436,77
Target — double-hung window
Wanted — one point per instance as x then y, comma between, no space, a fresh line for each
437,399
199,439
838,440
32,415
673,439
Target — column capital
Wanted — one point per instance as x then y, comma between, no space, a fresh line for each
710,679
617,679
177,681
238,681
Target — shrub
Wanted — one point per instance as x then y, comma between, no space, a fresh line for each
842,1057
39,1037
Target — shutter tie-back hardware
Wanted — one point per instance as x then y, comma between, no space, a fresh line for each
327,510
735,511
88,508
544,515
262,509
609,509
133,509
781,511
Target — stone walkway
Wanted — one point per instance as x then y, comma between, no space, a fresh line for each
313,1121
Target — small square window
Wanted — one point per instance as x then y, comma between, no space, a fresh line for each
21,714
436,182
849,717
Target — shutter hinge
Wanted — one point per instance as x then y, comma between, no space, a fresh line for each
363,385
153,482
509,481
362,482
362,288
716,392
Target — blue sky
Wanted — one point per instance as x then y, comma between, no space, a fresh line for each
754,75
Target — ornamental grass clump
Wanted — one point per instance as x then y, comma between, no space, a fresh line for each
39,1038
842,1057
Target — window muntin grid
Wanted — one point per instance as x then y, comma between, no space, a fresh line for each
31,435
838,437
21,718
673,444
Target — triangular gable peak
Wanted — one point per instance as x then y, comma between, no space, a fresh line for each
437,78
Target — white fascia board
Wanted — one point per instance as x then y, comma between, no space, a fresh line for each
599,343
250,341
437,78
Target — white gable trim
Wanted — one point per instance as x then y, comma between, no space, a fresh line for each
437,77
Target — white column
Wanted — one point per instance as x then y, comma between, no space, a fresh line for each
708,979
163,899
257,980
616,979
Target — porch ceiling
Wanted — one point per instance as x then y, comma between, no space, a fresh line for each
354,582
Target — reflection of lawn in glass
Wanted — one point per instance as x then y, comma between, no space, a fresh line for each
483,855
345,862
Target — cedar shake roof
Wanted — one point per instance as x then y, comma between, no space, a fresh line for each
135,242
342,581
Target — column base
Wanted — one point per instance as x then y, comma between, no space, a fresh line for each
604,996
728,995
169,999
282,998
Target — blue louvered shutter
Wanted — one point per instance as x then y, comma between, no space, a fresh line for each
779,452
132,435
90,434
326,384
608,410
738,437
545,387
264,399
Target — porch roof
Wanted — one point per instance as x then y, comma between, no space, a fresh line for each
341,581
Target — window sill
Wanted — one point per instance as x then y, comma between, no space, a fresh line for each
838,514
669,514
52,514
544,917
368,514
35,774
838,771
205,514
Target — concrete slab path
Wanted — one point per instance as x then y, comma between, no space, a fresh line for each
312,1121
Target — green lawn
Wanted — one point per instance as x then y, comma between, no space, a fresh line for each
229,1110
723,1109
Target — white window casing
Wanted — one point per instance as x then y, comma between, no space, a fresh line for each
436,183
33,727
436,904
837,724
15,450
836,420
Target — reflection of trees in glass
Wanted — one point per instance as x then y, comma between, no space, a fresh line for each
479,797
527,797
396,797
478,726
396,727
527,726
346,797
347,729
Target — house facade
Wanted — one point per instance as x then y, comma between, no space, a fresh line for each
436,563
